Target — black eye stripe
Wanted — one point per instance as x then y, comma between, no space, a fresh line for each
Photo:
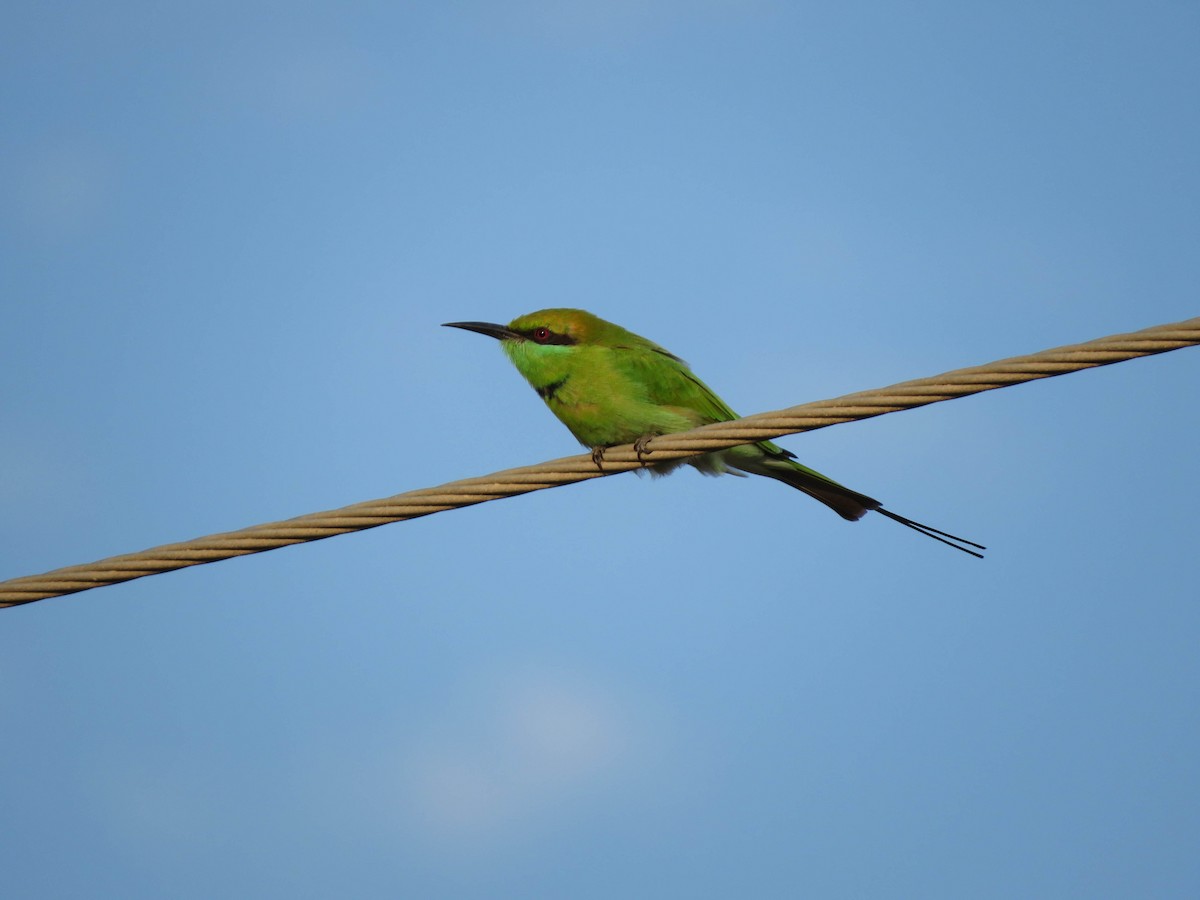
543,335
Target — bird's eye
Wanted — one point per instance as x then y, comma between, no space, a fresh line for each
541,335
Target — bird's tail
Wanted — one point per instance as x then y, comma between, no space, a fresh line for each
775,462
950,540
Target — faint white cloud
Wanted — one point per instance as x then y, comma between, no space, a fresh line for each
512,755
302,80
563,730
521,751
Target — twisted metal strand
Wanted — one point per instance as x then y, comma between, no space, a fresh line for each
509,483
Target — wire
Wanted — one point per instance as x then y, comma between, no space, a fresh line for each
512,482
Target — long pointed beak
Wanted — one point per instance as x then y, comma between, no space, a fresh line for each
499,332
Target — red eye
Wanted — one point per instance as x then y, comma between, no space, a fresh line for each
541,335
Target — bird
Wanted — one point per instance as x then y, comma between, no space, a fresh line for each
610,386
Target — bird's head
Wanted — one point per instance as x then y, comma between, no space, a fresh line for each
546,345
547,327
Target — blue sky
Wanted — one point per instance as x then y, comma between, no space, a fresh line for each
228,237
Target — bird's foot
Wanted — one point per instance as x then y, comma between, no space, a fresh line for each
598,457
641,447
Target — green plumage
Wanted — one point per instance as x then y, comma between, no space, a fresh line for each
610,386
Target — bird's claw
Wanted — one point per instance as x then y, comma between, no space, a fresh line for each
641,447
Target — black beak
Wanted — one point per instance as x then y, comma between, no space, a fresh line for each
499,332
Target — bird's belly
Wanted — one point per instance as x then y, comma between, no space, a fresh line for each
607,421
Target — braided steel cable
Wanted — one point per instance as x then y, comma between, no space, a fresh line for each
413,504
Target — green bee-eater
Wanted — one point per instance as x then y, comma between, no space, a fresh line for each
610,386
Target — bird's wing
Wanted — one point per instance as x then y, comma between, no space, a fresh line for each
669,382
